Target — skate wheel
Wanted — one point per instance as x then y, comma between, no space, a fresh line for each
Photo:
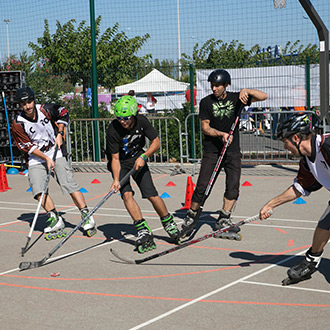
140,249
239,238
91,232
50,236
286,281
61,234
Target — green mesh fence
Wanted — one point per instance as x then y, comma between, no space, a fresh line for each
50,42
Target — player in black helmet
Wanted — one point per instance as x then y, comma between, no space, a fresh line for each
36,131
314,173
217,113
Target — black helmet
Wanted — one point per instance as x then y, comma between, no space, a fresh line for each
25,94
296,123
219,76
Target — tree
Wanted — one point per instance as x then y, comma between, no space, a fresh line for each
217,53
68,52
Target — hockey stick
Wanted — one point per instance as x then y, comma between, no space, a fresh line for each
25,248
35,264
183,245
217,166
8,127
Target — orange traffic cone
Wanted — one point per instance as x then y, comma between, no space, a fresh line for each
3,178
189,193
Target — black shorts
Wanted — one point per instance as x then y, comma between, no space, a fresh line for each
143,180
231,163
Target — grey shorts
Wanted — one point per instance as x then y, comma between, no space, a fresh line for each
63,175
324,222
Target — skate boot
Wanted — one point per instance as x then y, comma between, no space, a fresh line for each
89,224
189,222
55,227
171,228
144,241
223,221
304,270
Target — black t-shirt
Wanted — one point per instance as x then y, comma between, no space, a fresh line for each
222,115
129,143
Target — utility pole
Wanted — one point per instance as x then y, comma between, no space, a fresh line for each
7,21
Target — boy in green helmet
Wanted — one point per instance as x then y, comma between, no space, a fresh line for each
126,138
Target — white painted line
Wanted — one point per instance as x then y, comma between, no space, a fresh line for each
155,319
286,287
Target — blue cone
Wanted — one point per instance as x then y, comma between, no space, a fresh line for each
12,171
30,189
299,201
165,195
83,190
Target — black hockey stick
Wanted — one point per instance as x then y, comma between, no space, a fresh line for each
183,245
35,264
217,166
25,248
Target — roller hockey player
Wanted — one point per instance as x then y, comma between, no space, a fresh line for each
126,139
37,130
314,173
219,113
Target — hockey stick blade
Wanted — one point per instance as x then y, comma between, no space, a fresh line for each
185,244
24,265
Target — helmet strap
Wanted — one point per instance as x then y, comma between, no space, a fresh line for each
297,145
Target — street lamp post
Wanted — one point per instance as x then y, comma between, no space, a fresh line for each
7,21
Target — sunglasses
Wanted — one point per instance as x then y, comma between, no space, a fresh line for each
124,118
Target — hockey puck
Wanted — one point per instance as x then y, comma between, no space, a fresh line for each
55,274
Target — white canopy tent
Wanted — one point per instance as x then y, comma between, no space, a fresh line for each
172,91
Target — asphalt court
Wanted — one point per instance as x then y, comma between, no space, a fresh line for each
214,283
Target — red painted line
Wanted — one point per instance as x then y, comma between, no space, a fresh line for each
9,224
281,230
290,242
163,298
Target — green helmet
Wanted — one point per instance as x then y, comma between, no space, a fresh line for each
126,106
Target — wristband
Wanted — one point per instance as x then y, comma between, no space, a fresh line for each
144,157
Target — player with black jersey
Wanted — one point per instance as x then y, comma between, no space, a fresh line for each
126,139
217,113
36,132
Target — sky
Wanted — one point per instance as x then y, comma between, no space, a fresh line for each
250,22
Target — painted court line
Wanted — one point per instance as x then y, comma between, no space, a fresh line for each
286,287
212,293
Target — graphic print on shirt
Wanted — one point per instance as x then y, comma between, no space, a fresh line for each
222,110
40,132
131,145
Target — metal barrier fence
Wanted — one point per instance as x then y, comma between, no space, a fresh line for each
257,139
82,149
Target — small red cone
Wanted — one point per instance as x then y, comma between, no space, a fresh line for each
3,177
95,181
189,193
171,184
246,184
